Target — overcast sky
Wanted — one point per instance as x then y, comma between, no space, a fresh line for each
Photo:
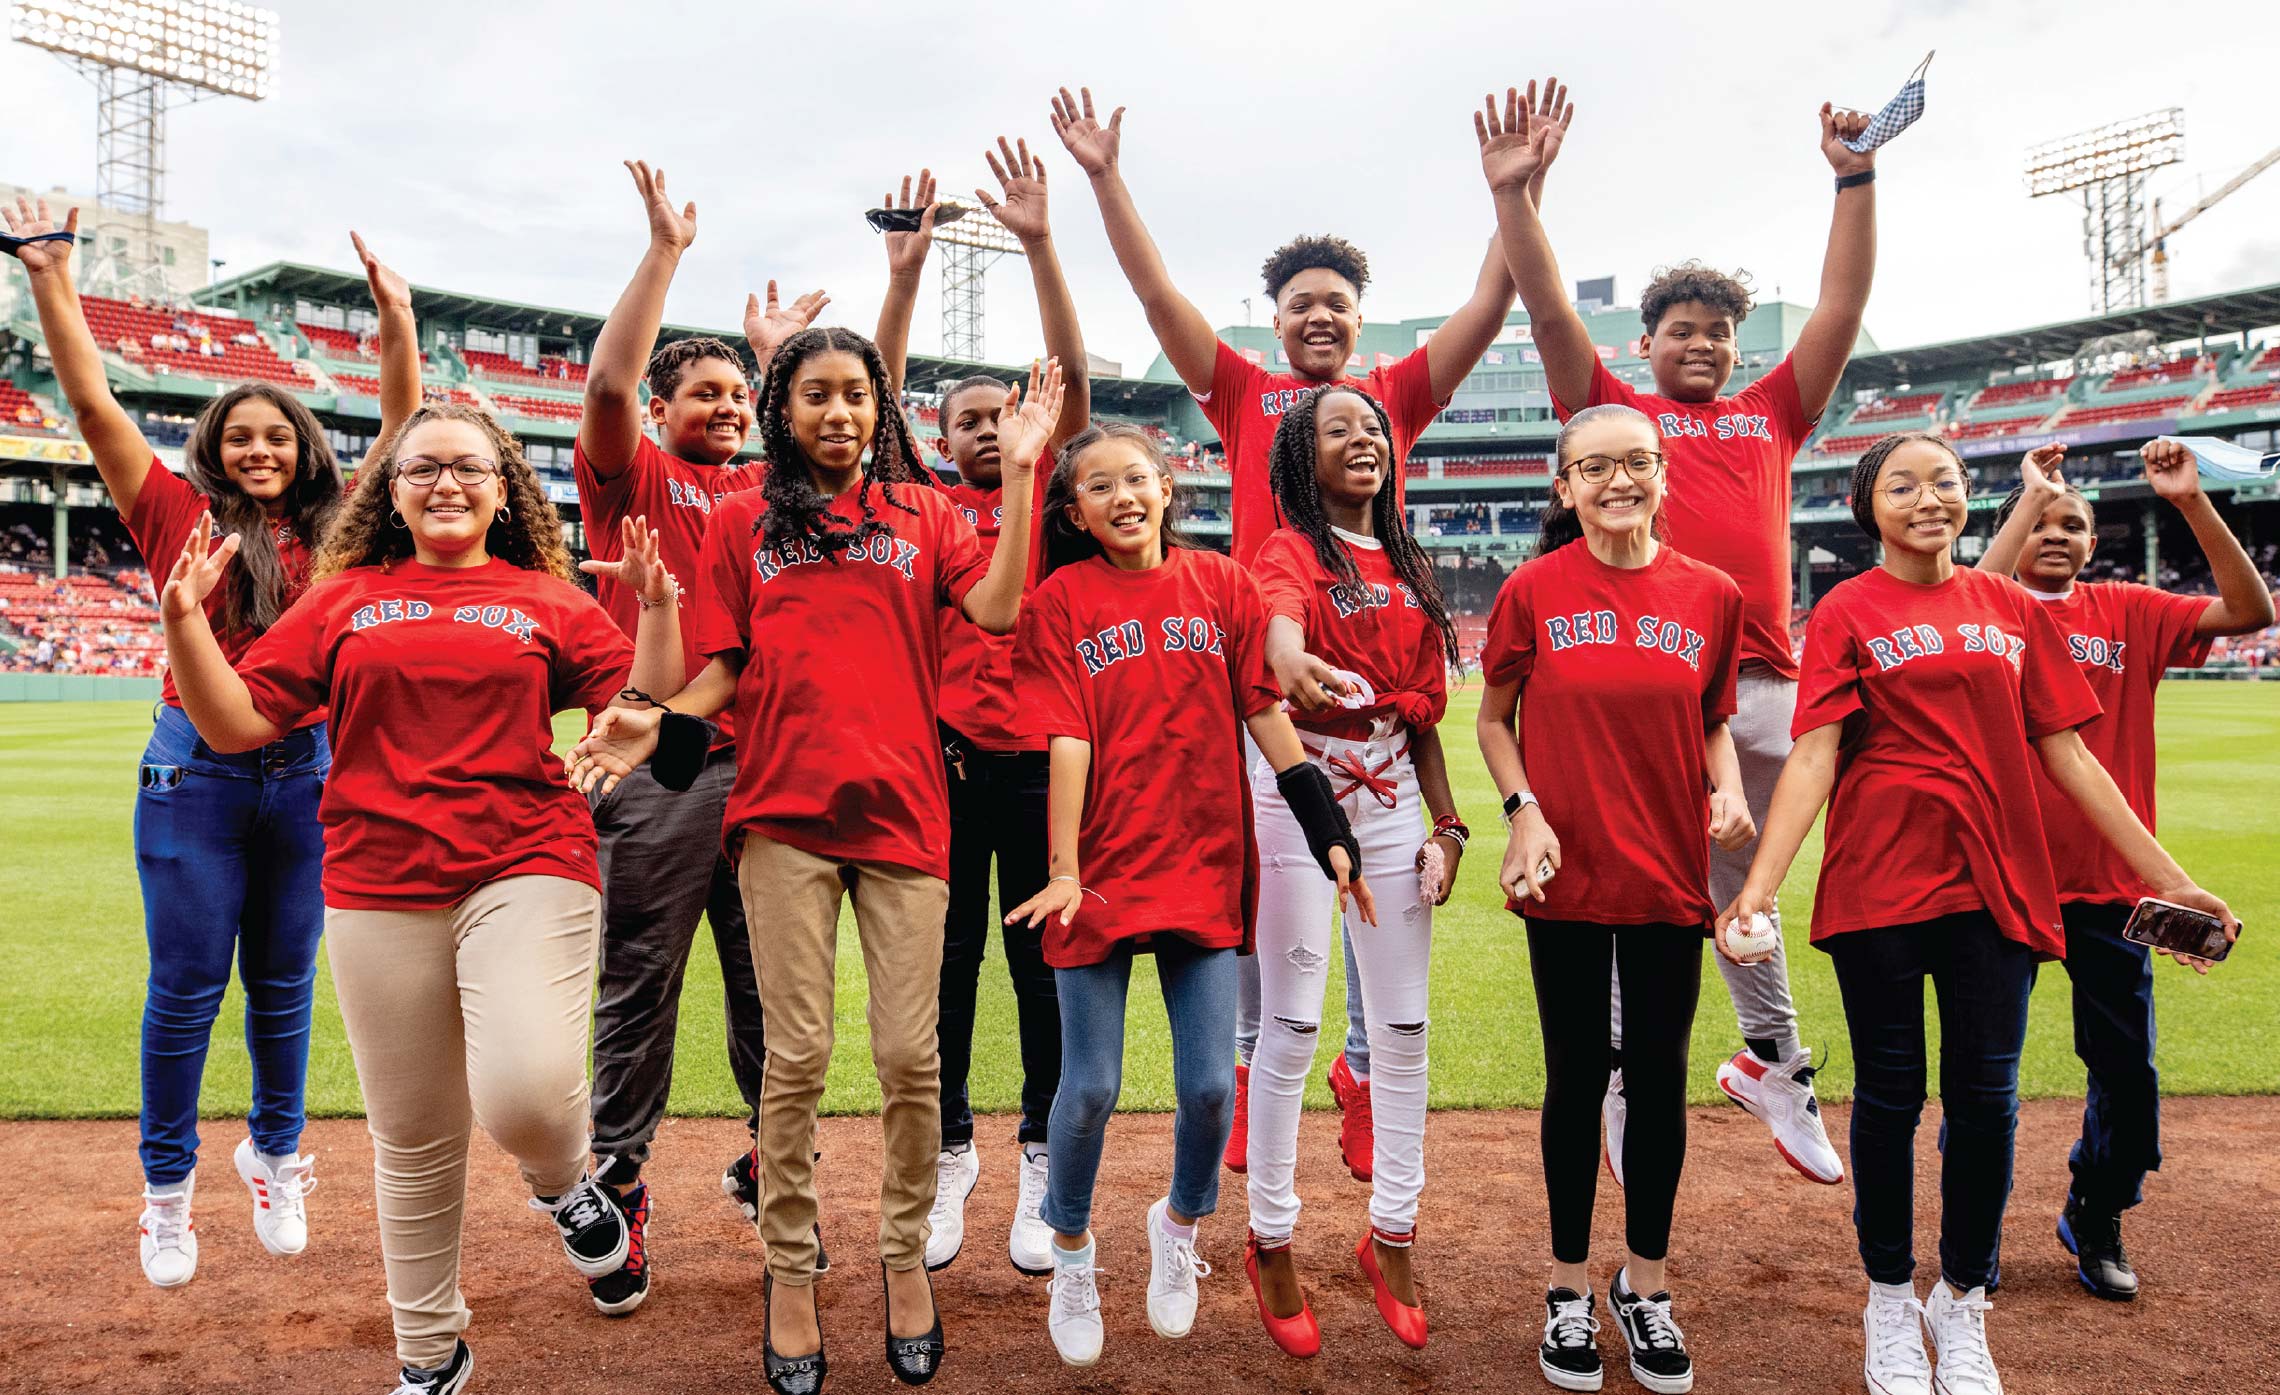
477,145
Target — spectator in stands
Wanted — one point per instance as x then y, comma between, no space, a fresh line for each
1930,693
1729,506
997,775
2123,638
227,845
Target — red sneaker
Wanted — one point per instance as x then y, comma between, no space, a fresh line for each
1298,1334
1357,1135
1238,1157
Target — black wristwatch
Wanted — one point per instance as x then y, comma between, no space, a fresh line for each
1514,803
1854,181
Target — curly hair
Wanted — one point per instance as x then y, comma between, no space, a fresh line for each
1067,543
1560,525
2018,494
367,531
796,510
1306,253
255,592
1297,486
1692,281
671,362
1871,464
978,380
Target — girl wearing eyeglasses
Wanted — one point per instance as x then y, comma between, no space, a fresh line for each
1611,664
1931,695
462,896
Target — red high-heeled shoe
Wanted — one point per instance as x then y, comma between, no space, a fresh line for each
1297,1335
1407,1322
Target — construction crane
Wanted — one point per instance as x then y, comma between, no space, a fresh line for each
2161,230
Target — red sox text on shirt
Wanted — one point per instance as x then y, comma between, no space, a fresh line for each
1598,627
1349,601
1181,634
2097,650
882,550
496,617
1918,641
1733,426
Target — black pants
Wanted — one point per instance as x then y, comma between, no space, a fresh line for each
662,869
1983,981
1660,968
2113,1034
997,810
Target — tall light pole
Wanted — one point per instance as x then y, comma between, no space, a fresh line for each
145,56
969,246
2108,165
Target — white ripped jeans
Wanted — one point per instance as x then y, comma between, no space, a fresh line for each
1295,943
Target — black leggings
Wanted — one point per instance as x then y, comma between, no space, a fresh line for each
1660,967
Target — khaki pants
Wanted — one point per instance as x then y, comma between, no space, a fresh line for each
476,1013
791,903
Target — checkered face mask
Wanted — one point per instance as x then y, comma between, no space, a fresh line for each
1898,115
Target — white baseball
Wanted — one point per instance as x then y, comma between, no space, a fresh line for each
1761,936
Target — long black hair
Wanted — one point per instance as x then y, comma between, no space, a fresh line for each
1291,473
1066,542
796,512
255,595
1559,525
1871,464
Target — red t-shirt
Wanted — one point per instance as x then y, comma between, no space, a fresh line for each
1157,669
977,666
842,671
677,497
2121,636
167,508
1620,672
443,683
1943,689
1728,501
1385,636
1246,403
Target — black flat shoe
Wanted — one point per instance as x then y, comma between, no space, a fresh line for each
790,1375
914,1360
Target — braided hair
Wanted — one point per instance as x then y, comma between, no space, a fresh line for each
1291,474
1871,464
796,510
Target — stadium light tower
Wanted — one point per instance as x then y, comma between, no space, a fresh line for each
969,247
144,56
2108,165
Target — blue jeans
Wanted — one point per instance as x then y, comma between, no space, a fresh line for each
230,856
1199,997
1983,981
2113,1034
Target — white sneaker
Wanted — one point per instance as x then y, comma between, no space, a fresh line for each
280,1220
1073,1317
1894,1326
1614,1109
1782,1096
169,1241
1030,1246
1173,1268
956,1170
1959,1335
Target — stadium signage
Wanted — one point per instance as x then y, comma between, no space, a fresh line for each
49,449
2077,436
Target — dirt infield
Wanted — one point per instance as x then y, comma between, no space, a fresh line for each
1769,1287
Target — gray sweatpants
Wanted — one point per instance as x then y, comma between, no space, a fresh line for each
662,869
1765,703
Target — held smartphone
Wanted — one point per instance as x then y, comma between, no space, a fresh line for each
2178,929
889,220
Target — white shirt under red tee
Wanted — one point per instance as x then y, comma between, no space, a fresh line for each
1380,631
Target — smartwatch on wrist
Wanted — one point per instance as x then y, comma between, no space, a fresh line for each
1514,803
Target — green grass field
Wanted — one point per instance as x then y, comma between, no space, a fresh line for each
72,956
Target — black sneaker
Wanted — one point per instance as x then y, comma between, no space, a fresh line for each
1569,1359
2094,1238
621,1290
1658,1349
594,1232
448,1379
741,1185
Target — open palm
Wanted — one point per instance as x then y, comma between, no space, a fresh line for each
389,291
1026,421
196,572
1022,177
1512,146
27,219
1092,145
667,228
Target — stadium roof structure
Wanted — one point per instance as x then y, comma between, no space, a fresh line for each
2224,314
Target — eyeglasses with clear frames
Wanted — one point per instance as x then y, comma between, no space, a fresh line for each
1641,465
1947,489
1098,488
421,472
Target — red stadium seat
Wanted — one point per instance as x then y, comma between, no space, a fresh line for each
2003,394
2235,398
115,322
1915,404
2149,374
2122,411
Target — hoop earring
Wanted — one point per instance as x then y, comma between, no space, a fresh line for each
395,519
504,515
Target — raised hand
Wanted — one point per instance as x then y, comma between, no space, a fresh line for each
2041,476
620,739
2171,469
766,328
906,252
639,566
1837,127
1026,421
1023,179
1512,146
1092,145
1553,109
667,229
28,219
389,292
196,572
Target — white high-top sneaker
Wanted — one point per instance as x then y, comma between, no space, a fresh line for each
1030,1244
1073,1318
1959,1334
280,1220
1894,1325
169,1241
955,1172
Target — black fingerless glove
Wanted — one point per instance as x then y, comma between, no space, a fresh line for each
1307,791
682,742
